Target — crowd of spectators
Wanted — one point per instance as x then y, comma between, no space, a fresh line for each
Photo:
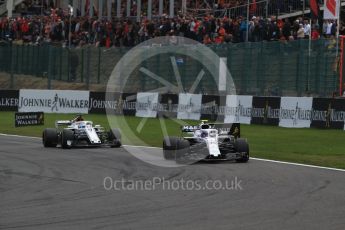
54,27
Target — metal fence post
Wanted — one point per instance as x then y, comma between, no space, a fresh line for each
266,9
260,69
68,65
99,66
49,66
88,68
11,58
17,56
60,64
37,69
298,67
22,60
82,66
28,60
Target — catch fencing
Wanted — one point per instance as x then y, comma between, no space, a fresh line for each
277,68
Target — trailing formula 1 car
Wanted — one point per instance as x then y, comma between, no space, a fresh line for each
80,133
207,142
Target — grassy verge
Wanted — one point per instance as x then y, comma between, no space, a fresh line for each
309,146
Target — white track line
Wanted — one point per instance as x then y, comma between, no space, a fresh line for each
13,135
296,164
252,158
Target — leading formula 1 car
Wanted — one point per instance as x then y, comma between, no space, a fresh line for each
207,142
80,133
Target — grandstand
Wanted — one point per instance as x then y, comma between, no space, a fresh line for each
156,8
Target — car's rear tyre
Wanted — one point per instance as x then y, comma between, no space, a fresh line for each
242,147
67,137
50,137
169,147
115,137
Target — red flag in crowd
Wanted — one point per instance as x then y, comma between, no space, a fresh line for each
87,7
331,6
314,9
252,7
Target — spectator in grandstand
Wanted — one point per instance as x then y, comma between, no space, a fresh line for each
273,30
342,29
295,28
286,29
327,28
124,32
307,29
315,33
207,40
243,29
300,32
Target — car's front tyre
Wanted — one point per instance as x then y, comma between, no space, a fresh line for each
67,138
50,137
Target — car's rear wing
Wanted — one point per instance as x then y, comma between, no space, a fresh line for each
223,128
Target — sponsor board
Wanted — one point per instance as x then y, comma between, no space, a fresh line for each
210,108
9,100
28,119
266,110
99,104
53,101
147,105
189,106
169,105
238,109
328,113
128,103
295,112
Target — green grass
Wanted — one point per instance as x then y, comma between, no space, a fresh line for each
310,146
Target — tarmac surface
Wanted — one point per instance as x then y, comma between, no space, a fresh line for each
52,188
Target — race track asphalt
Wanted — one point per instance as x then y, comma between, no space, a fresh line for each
63,189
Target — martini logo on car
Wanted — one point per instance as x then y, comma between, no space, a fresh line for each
53,101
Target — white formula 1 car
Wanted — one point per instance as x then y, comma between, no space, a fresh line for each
208,142
80,133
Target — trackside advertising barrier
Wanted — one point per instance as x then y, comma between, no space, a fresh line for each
290,112
27,119
9,100
53,101
295,112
